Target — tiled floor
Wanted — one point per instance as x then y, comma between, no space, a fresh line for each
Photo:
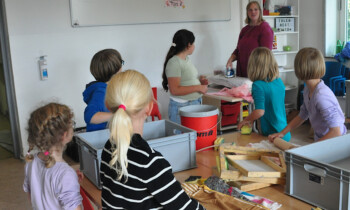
11,175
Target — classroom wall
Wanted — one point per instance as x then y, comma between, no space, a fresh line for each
312,24
43,27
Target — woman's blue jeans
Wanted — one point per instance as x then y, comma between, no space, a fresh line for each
173,109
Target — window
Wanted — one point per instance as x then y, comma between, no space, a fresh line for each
347,18
337,24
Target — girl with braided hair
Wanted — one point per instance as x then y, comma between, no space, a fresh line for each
49,181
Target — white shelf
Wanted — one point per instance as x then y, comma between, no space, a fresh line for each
285,59
290,87
283,33
284,52
286,70
280,16
228,127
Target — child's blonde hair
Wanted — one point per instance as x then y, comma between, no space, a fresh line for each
132,90
46,127
262,65
309,64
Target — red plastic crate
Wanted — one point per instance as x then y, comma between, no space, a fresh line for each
230,108
229,119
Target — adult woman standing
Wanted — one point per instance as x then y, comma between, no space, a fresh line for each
257,33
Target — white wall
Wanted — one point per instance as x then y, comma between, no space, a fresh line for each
42,27
311,24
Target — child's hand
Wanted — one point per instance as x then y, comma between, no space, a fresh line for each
244,122
203,89
239,126
80,175
275,135
203,79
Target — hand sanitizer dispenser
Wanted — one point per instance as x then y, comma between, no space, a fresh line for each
43,68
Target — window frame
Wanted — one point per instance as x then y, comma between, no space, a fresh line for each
343,21
335,12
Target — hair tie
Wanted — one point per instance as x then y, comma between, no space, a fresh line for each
121,106
173,44
46,153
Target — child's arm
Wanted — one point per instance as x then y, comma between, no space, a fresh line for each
177,90
333,132
67,188
101,117
329,112
296,122
95,111
26,185
256,114
258,94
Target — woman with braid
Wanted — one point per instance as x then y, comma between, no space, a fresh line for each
133,175
49,181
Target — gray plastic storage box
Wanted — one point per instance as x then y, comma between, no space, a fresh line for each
162,135
319,173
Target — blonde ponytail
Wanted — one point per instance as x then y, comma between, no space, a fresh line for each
121,131
127,94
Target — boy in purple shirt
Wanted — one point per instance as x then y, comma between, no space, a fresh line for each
320,105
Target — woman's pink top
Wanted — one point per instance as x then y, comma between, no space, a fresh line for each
250,38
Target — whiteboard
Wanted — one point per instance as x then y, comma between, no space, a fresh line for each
118,12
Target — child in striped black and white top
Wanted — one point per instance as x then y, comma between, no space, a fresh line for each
133,175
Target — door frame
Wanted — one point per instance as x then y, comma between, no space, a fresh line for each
9,82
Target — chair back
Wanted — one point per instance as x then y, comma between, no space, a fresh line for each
86,202
345,72
333,68
155,111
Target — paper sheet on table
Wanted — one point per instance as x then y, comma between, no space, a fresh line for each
229,82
